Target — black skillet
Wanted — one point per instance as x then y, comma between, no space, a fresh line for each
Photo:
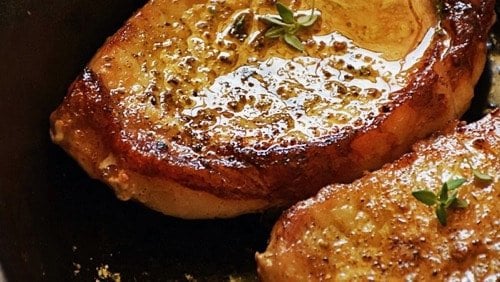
56,224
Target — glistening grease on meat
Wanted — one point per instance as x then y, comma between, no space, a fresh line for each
375,229
192,110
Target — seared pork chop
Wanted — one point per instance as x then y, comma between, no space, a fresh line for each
192,110
374,229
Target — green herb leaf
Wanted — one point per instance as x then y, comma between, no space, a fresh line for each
443,194
274,20
286,26
445,200
307,21
274,32
292,30
293,41
451,198
285,13
425,196
482,176
459,204
441,214
455,183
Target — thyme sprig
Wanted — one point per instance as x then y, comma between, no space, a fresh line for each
478,175
446,198
286,26
482,176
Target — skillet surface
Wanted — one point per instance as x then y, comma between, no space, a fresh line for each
56,224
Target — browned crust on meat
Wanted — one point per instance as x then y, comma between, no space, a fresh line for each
375,229
438,92
76,132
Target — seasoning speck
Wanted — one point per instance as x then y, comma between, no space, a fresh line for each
103,272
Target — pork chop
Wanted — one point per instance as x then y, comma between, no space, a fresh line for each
375,229
190,109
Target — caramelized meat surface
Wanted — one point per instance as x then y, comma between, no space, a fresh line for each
191,110
375,229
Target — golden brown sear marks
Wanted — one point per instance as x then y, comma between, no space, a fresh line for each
374,229
190,95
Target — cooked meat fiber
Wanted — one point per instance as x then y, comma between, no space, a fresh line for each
191,110
375,229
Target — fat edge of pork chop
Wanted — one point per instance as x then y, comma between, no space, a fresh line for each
375,229
138,167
